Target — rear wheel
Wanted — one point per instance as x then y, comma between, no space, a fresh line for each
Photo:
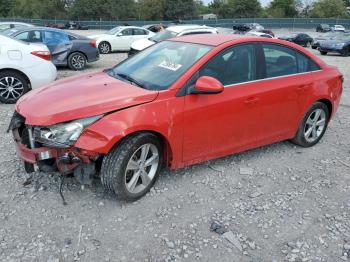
313,126
77,61
132,167
12,86
104,48
323,52
345,52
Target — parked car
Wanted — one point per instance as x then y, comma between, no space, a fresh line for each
267,31
323,28
260,34
120,38
247,27
67,49
6,25
340,45
155,28
23,67
72,25
179,102
327,36
339,28
298,38
55,25
170,32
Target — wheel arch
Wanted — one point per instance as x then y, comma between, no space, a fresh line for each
329,105
167,150
19,72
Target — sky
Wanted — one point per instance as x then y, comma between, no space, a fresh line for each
263,2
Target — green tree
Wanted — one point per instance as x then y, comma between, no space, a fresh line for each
179,9
221,8
151,9
246,8
39,9
5,8
283,8
328,8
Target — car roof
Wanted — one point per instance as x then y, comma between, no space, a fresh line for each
219,39
181,28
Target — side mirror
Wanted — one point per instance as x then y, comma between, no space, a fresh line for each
119,34
207,85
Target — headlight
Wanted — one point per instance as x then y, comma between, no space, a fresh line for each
63,135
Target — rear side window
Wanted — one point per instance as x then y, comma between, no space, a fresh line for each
55,38
139,32
281,61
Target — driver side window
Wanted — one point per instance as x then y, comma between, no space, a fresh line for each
232,66
126,32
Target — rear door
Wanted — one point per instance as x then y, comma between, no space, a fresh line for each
59,45
283,91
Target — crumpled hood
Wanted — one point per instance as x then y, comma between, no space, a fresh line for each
79,97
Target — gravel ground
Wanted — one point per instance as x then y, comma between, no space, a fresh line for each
275,203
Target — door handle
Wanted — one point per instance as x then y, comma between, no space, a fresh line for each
251,100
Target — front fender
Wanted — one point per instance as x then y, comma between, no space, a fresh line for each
163,116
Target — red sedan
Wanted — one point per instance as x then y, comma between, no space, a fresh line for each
180,102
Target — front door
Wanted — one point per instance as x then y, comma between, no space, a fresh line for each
218,124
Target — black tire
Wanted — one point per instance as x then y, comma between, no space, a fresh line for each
113,171
77,61
19,87
104,47
314,47
323,52
299,138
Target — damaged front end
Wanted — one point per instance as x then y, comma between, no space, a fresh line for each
51,149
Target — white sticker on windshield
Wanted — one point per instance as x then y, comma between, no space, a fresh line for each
170,65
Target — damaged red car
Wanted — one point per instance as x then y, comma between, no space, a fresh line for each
177,103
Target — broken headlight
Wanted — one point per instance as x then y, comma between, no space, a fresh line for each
63,135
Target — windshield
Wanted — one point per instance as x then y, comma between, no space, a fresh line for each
166,34
158,67
113,31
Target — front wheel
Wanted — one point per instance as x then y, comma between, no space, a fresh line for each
313,126
132,167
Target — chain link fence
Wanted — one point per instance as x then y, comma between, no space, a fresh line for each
306,23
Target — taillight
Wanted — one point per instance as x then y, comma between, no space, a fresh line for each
46,55
93,43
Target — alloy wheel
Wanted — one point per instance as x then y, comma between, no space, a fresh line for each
78,61
104,47
11,88
141,168
314,126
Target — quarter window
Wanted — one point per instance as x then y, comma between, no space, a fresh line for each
22,36
232,66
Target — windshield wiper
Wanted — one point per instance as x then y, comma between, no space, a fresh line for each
130,79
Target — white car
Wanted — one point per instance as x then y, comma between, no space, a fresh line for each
170,32
23,66
260,34
7,25
338,28
120,38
